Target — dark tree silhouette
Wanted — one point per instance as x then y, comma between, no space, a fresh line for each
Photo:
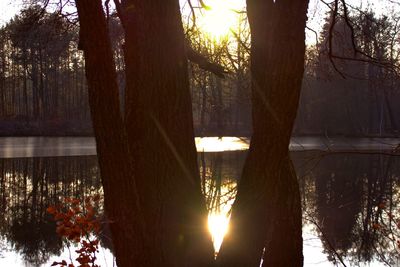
147,157
266,217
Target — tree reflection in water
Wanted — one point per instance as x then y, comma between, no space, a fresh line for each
220,173
343,197
28,187
340,196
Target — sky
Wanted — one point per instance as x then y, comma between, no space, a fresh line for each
8,9
317,10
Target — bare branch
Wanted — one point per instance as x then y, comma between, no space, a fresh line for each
364,56
314,32
203,62
204,5
240,41
192,14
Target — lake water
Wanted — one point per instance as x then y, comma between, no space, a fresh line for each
342,181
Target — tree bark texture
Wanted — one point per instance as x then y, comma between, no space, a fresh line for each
147,157
158,118
120,191
266,217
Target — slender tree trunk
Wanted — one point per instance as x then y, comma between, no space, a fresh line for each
56,107
217,95
394,128
25,89
203,105
35,86
266,216
41,87
3,70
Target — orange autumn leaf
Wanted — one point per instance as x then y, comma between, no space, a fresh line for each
376,226
51,210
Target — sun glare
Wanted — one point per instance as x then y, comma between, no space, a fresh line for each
221,18
216,144
218,227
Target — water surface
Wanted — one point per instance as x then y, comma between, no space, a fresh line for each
343,219
17,147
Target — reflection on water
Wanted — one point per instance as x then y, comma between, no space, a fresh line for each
352,201
350,204
28,187
219,144
219,173
23,147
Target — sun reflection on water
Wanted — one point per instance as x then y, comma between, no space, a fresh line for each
220,190
218,225
220,144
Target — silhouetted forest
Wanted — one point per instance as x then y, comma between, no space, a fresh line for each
43,86
42,80
353,87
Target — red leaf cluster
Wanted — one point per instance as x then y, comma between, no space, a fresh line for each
76,221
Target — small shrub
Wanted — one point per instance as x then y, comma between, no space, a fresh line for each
77,223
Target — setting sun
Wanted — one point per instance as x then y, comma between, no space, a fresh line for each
221,17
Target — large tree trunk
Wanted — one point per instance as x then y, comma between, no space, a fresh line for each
266,216
148,159
158,118
120,192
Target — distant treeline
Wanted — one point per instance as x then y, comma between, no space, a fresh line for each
350,86
42,78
